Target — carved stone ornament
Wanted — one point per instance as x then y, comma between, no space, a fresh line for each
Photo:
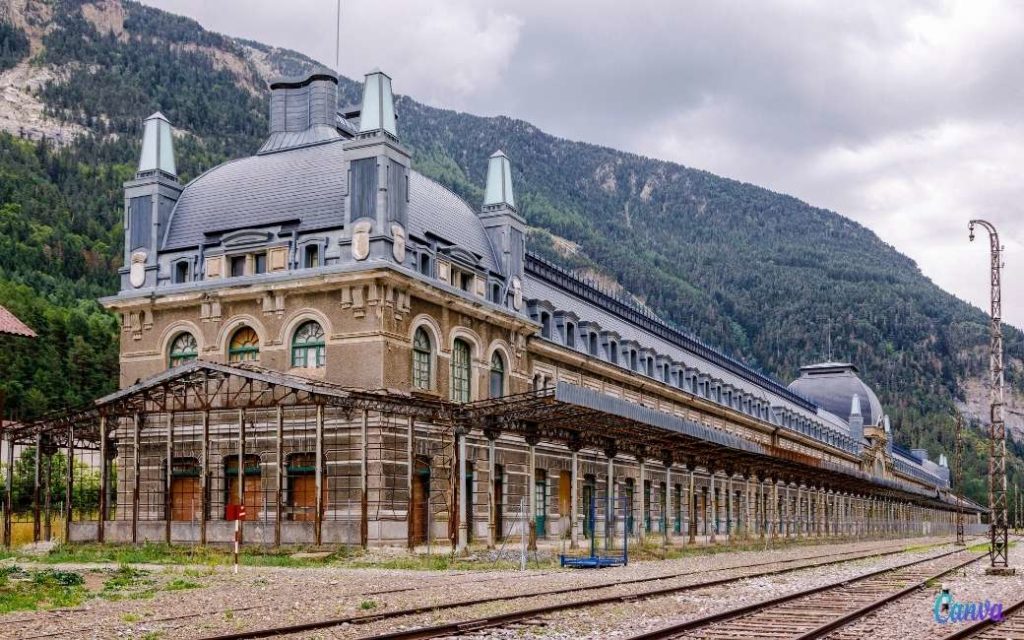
517,294
398,246
137,270
361,239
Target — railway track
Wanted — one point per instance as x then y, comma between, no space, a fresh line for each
833,558
526,615
818,611
1012,626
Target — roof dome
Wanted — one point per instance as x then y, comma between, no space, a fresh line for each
832,385
306,186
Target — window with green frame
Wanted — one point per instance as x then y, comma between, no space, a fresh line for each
308,350
422,359
244,346
460,371
183,349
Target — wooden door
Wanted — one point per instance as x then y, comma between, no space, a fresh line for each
252,492
186,498
499,501
564,494
302,497
420,504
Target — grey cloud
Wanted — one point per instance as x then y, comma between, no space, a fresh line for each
904,115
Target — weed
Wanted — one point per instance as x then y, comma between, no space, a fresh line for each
180,584
367,605
130,617
30,590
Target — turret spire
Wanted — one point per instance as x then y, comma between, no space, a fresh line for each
378,110
499,181
856,419
157,146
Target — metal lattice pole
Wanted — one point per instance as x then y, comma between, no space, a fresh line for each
958,467
997,427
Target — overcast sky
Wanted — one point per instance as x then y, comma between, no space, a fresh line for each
905,116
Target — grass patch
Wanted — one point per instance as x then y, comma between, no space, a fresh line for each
367,605
180,584
128,583
164,554
46,589
130,617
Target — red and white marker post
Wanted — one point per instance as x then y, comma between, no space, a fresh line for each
239,513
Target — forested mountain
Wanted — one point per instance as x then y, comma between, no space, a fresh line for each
762,275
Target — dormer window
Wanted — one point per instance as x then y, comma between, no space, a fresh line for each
181,272
570,335
311,256
545,324
466,281
593,344
237,266
496,293
259,263
613,352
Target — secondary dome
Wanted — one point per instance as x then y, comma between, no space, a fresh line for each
832,385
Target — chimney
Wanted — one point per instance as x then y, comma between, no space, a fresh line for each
303,111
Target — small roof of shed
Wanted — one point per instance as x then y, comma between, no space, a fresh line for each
11,326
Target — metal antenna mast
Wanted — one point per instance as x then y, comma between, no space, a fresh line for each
997,427
337,43
958,469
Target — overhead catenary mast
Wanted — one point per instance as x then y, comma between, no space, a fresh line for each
997,427
958,469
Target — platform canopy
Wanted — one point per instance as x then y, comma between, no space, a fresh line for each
585,418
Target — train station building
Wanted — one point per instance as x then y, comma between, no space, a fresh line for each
359,356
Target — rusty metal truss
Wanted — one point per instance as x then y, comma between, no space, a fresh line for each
200,385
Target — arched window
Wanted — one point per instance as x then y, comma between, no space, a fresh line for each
308,346
460,371
244,346
422,359
183,349
497,375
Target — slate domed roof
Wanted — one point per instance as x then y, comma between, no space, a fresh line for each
832,385
307,185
